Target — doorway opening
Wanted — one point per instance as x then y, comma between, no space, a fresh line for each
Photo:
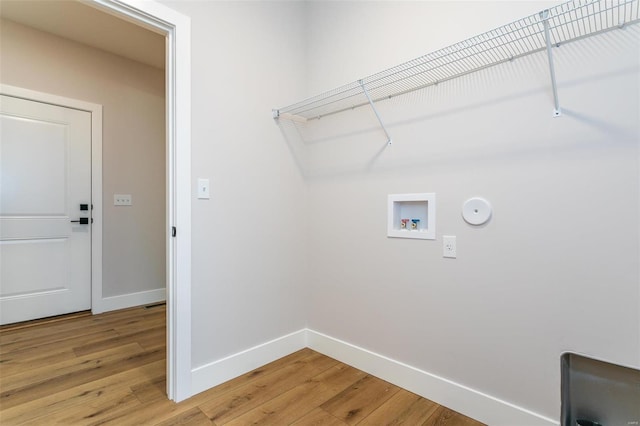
175,28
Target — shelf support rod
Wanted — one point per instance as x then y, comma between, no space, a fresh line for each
373,107
544,16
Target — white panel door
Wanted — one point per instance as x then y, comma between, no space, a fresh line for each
45,176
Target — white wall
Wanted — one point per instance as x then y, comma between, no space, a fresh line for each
556,269
294,235
132,95
249,252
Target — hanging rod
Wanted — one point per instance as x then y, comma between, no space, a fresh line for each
570,21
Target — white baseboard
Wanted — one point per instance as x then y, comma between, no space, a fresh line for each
460,398
130,300
220,371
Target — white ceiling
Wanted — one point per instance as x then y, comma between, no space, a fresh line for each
78,22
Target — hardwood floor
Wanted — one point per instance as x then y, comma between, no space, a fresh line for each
110,369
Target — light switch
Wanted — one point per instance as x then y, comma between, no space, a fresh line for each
203,189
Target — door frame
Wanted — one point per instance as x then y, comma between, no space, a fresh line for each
177,30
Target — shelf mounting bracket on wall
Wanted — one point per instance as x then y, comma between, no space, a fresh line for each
544,16
373,107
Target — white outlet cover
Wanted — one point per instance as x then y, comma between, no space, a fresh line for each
449,248
476,211
122,200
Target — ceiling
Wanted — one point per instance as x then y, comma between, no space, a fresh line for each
79,22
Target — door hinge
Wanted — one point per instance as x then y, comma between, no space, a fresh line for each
173,231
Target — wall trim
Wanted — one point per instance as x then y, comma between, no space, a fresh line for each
222,370
130,300
456,396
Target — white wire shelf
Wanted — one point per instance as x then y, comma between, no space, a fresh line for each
564,23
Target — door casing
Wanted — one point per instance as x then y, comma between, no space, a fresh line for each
177,30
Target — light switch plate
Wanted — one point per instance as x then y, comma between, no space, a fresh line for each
122,200
203,189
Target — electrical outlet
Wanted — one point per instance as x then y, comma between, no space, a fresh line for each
122,199
449,246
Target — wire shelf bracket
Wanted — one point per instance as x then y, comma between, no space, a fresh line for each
567,22
544,16
375,111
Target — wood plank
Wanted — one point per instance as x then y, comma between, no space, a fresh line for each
151,390
319,417
93,412
10,335
148,414
43,321
360,399
54,339
153,412
94,367
19,359
193,417
446,417
151,319
159,410
297,402
256,374
39,375
17,363
81,395
251,395
76,327
153,334
403,408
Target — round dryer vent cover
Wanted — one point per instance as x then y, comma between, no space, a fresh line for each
476,211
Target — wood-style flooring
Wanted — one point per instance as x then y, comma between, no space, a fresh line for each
110,369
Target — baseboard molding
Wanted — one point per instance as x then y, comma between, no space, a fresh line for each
220,371
130,300
460,398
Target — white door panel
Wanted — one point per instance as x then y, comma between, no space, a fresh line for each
21,278
26,228
41,187
45,174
